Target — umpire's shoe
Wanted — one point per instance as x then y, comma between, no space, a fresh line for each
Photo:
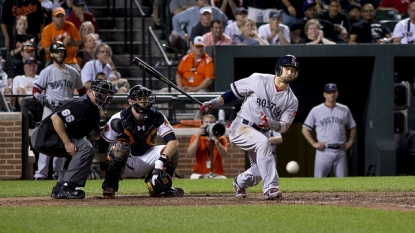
69,191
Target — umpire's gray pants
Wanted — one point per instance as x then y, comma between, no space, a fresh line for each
79,166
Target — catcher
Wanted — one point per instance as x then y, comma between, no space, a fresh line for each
132,151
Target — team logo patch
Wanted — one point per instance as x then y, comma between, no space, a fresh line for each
69,118
66,112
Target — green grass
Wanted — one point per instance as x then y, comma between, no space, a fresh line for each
25,188
243,218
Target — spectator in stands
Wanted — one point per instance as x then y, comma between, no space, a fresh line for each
199,148
187,19
367,31
21,37
87,53
335,16
177,6
404,31
23,84
235,27
28,51
249,34
355,13
216,35
203,26
196,70
292,10
13,9
400,5
47,6
314,34
228,7
64,31
259,10
103,63
78,15
68,5
85,29
275,33
310,12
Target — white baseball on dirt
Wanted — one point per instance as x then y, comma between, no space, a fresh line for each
292,167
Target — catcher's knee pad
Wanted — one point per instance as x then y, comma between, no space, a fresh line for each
171,165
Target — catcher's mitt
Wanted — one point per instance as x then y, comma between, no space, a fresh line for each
158,181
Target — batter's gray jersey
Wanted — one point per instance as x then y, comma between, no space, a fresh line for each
262,96
330,123
59,84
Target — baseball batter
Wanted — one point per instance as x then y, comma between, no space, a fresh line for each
269,104
330,120
58,81
132,133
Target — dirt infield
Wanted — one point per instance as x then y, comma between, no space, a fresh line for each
401,201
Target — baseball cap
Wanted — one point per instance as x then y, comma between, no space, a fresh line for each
330,87
199,41
205,9
308,4
78,2
28,47
275,14
58,10
240,10
30,59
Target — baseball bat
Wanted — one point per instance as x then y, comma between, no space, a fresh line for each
149,69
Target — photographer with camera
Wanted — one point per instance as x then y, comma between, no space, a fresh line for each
199,146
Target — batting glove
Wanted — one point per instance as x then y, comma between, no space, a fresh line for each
41,98
206,106
267,123
264,122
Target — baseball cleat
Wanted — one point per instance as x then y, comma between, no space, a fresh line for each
240,192
272,193
68,192
173,192
109,193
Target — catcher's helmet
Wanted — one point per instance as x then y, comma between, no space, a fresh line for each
55,46
287,60
140,91
104,91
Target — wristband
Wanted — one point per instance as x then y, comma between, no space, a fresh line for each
164,158
216,102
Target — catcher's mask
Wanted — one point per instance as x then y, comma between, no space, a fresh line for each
104,91
56,46
135,99
287,60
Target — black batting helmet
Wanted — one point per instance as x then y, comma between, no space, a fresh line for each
140,91
104,91
287,60
55,46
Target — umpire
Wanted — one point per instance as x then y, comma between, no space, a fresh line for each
72,123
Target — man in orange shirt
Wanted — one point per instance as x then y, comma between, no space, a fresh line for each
199,148
64,31
196,71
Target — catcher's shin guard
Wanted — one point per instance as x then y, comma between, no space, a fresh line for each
171,165
116,160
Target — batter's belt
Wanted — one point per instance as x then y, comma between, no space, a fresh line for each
253,125
334,146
